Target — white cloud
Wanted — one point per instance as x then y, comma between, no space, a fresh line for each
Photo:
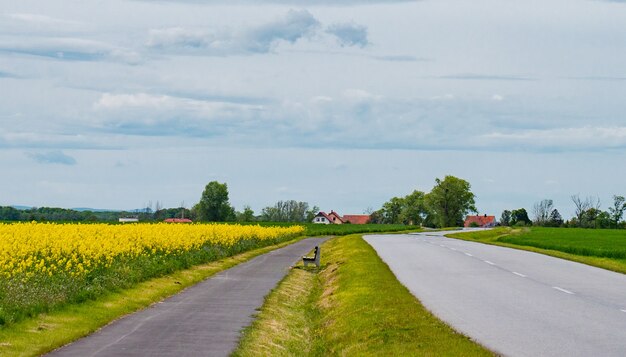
290,28
69,48
117,101
580,138
43,20
52,157
497,97
349,34
360,95
148,114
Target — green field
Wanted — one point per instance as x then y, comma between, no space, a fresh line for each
606,243
352,306
604,248
313,229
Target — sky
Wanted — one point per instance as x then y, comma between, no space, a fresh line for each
342,104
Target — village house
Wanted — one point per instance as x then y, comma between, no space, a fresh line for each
480,221
334,218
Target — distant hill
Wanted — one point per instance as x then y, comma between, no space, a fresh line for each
22,208
79,209
83,209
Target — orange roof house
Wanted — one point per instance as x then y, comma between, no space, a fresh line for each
335,217
480,221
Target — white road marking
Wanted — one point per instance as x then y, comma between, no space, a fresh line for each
563,290
488,262
623,310
453,249
468,254
519,274
441,245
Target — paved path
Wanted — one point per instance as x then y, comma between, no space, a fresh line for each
203,320
514,302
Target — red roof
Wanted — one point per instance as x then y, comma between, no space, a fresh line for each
481,221
357,218
335,216
323,214
178,220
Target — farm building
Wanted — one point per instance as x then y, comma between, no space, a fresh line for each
334,218
178,220
357,218
480,221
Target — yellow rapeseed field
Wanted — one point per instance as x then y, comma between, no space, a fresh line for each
28,249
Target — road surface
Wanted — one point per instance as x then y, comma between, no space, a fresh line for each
514,302
203,320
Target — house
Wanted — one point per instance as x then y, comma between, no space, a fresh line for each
327,218
178,220
480,221
334,218
357,218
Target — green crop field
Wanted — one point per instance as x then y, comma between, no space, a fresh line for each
312,229
606,243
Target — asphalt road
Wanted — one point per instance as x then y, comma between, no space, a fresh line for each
203,320
514,302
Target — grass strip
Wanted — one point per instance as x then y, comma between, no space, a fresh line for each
353,306
514,238
284,326
46,332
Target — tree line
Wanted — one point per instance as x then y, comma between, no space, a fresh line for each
587,214
213,206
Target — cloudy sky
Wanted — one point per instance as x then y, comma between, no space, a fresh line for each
343,104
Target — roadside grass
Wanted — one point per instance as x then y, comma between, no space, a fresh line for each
284,327
353,306
602,248
46,332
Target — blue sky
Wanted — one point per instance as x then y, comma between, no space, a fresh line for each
343,104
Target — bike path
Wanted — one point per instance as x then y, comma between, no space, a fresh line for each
203,320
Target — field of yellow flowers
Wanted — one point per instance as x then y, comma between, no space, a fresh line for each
44,265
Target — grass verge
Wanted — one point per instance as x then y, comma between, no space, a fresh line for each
354,305
587,246
46,332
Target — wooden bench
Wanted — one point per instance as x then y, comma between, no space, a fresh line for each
314,259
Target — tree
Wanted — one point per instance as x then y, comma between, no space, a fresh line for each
582,206
450,200
603,220
310,214
555,218
617,211
287,211
541,211
214,205
246,216
392,210
414,208
505,218
519,216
